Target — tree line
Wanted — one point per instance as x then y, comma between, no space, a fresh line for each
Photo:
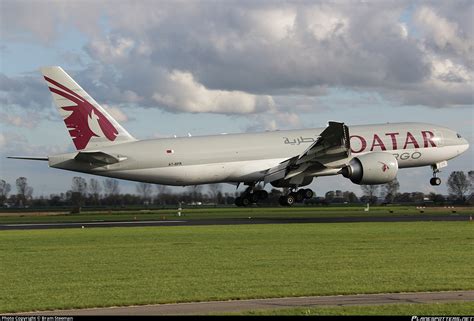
107,192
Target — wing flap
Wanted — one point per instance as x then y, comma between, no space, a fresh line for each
332,144
330,150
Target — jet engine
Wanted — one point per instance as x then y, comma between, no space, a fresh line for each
371,169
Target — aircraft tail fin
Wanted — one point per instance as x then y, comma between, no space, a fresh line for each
89,124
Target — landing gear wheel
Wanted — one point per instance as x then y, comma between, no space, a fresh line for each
238,201
261,194
254,197
435,181
281,201
308,193
287,200
246,201
299,196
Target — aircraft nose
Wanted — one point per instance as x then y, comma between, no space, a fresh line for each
464,146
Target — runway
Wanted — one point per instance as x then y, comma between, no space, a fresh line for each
233,221
201,308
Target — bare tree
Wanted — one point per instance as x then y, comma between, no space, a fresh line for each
111,187
195,192
471,180
24,191
78,192
4,190
390,190
162,189
214,191
163,192
79,185
370,191
95,189
144,190
458,184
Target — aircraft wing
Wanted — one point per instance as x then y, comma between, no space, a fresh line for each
330,150
98,157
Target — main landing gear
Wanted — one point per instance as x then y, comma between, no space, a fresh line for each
250,196
296,197
435,181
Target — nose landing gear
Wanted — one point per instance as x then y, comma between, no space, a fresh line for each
435,180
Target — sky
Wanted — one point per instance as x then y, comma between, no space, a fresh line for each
165,68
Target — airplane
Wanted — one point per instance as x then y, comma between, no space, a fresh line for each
364,154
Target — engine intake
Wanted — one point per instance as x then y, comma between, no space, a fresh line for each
371,169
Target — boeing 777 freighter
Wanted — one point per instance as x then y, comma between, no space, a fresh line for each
367,154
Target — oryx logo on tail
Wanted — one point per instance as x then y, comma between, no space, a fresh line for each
82,112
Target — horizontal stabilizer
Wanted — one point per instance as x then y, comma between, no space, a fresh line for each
98,157
29,158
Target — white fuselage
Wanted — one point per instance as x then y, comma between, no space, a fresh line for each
237,158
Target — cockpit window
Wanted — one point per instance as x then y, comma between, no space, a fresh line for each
459,136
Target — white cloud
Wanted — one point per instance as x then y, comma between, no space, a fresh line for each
2,140
237,57
274,121
443,33
273,24
446,70
116,113
111,49
182,92
325,22
28,121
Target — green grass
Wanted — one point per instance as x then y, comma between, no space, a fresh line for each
74,268
419,309
255,212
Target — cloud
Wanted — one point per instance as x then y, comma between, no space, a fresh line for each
181,92
25,91
27,121
246,58
13,143
46,21
116,113
274,121
260,50
445,35
2,140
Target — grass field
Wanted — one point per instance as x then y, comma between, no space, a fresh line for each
231,212
73,268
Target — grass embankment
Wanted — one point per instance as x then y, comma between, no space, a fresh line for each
223,213
74,268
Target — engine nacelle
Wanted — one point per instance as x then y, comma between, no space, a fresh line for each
371,169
